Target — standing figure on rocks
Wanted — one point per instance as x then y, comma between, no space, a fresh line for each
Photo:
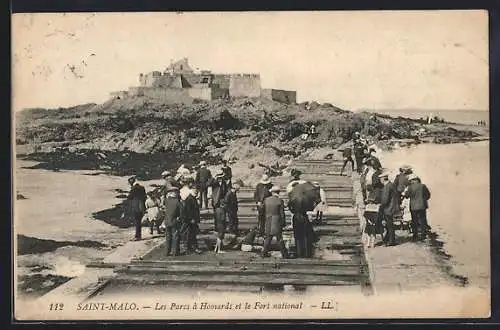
274,209
137,205
228,173
219,191
260,194
389,206
190,216
203,179
173,209
419,195
347,155
231,205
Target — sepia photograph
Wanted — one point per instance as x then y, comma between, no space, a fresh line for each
251,165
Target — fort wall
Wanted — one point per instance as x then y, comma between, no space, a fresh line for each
279,95
244,85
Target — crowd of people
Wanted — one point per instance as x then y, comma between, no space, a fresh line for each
405,198
175,209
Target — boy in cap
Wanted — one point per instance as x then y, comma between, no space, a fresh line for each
274,208
137,205
389,206
228,173
203,179
260,194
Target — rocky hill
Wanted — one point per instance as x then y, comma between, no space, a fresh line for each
253,130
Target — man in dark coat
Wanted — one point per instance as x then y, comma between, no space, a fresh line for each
260,194
389,205
203,179
137,205
173,221
299,204
373,184
401,180
375,161
228,173
190,217
274,209
219,191
231,206
359,152
347,155
419,195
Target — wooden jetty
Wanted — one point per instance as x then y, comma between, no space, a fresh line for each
338,260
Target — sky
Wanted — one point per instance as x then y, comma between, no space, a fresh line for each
354,60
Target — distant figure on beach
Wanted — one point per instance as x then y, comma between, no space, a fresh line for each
173,209
190,216
275,222
231,206
347,155
228,173
203,179
260,194
219,191
389,206
137,205
321,207
419,195
312,130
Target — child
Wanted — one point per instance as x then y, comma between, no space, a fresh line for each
370,226
153,212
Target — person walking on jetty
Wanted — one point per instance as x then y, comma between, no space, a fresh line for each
137,205
321,207
219,191
419,195
228,173
302,227
153,212
389,206
296,174
169,181
231,205
375,161
260,194
347,155
173,209
203,179
274,209
373,184
190,216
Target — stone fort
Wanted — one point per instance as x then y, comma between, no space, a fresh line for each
179,83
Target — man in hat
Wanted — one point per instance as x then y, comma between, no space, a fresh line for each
190,216
219,191
373,184
228,173
203,179
137,205
169,180
359,151
173,209
375,161
347,155
389,206
419,195
260,194
274,209
401,180
231,205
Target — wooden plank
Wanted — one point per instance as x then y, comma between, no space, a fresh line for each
238,270
266,279
266,262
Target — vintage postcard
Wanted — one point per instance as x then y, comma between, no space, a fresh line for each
251,165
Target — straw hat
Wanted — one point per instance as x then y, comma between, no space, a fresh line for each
275,189
172,189
203,163
165,173
265,179
384,175
413,177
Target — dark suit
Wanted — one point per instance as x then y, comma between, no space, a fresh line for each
137,206
231,207
389,205
219,191
274,210
190,219
260,194
359,152
173,209
401,182
419,195
228,175
347,155
374,189
203,179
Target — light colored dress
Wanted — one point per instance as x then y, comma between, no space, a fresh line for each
321,207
